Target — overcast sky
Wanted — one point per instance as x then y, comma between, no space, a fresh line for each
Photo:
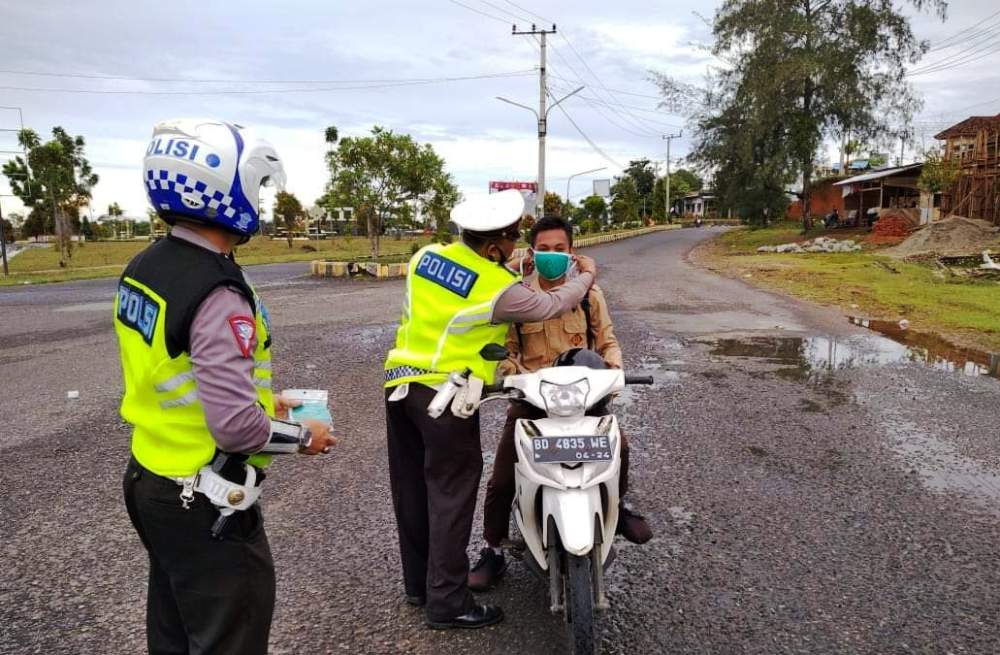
293,56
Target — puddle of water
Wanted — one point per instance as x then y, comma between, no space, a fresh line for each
799,357
941,466
933,350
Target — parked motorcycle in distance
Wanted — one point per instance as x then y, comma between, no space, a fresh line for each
568,464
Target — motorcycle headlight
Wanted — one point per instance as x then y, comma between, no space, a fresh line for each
565,399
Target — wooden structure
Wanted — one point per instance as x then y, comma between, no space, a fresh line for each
866,195
975,143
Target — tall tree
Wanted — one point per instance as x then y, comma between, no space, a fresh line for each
801,71
287,213
378,175
8,230
55,178
593,209
553,203
626,201
641,170
438,205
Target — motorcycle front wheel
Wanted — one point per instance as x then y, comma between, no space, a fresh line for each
580,604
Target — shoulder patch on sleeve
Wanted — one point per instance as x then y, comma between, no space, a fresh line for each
244,329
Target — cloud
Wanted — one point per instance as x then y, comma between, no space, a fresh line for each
480,138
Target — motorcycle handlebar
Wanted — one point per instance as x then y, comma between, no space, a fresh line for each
638,379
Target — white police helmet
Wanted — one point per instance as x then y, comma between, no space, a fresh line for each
489,213
209,171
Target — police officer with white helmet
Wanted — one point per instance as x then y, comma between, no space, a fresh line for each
195,344
460,297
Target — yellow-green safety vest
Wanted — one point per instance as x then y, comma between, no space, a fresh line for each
447,312
170,435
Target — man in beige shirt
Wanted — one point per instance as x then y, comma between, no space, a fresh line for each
535,345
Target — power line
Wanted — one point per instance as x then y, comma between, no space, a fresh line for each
658,112
87,76
361,87
974,46
974,56
590,141
949,41
630,129
480,12
530,13
638,121
504,11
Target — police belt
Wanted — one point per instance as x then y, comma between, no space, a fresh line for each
225,494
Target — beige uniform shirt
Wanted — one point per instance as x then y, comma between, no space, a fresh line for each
535,345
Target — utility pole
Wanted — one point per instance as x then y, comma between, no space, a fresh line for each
666,191
23,152
542,113
3,246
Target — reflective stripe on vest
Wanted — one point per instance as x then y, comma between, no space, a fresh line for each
450,292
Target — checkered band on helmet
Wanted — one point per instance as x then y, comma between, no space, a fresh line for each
195,194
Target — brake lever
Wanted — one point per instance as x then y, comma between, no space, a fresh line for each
512,394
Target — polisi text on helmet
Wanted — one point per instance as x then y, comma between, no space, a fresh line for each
181,149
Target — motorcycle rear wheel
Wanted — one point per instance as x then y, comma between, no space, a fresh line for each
580,604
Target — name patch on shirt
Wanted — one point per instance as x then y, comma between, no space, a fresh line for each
138,311
446,273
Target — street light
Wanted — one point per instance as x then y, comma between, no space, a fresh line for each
593,170
542,130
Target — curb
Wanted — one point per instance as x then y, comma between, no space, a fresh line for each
319,268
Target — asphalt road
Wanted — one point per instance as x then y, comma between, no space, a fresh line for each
812,489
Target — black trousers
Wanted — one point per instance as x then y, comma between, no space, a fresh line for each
434,469
205,595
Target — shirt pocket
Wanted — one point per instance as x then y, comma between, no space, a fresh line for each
531,341
574,329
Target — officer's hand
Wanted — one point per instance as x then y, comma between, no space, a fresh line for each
322,440
585,264
522,263
282,405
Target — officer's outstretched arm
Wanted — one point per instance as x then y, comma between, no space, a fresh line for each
309,437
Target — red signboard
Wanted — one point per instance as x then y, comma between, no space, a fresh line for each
497,185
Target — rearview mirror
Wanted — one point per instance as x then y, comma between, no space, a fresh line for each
494,352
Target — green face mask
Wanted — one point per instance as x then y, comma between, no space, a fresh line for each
551,265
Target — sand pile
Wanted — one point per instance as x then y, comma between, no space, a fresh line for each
955,235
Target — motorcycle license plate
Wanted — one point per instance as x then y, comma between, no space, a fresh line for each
571,450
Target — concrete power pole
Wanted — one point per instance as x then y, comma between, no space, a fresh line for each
666,191
542,114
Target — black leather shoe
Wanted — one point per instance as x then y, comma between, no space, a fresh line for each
416,601
632,525
487,571
478,617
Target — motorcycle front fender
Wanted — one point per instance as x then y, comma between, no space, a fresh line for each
573,512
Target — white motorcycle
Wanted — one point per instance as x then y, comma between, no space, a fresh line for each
566,507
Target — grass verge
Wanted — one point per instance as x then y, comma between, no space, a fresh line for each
864,283
108,258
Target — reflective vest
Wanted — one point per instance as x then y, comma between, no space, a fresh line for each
158,296
450,292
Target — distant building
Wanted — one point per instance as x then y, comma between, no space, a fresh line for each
699,203
975,144
866,195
